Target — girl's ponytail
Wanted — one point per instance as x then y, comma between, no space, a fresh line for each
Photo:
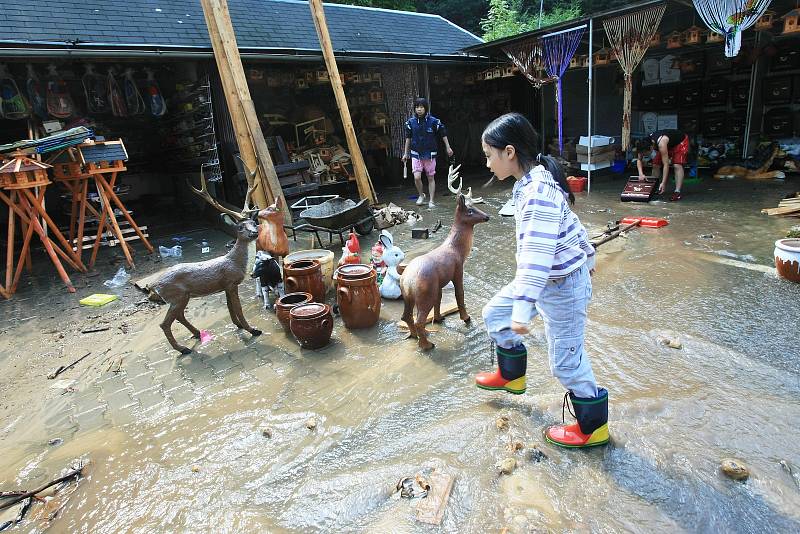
554,168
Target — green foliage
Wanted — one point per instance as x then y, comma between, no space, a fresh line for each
401,5
506,19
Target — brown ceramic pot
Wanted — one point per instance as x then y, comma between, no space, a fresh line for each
358,296
285,304
353,271
304,276
312,324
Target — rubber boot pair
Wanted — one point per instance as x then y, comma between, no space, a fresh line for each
590,430
510,374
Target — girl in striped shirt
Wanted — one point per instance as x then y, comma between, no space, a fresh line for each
553,279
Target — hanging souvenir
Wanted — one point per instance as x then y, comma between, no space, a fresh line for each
59,101
36,95
730,18
115,95
12,104
133,98
95,91
630,36
558,50
158,106
791,22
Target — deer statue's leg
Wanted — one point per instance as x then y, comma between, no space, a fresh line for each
422,318
185,322
408,316
437,308
232,310
235,306
458,283
174,310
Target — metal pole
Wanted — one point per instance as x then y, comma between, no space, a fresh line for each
591,66
541,7
750,97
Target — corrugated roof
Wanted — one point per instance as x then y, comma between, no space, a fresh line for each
259,24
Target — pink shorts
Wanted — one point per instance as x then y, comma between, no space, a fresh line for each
420,165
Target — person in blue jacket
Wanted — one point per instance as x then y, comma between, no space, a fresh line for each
422,131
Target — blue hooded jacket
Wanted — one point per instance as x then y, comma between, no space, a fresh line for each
423,133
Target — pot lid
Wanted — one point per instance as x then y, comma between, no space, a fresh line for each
354,269
309,310
791,244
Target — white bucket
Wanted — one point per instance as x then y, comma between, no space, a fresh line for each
324,257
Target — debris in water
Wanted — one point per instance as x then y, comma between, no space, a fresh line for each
502,422
55,442
311,423
793,472
536,455
673,343
431,509
195,469
413,487
735,469
506,466
515,445
706,236
267,433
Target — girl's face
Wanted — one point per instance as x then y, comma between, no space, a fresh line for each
420,110
502,162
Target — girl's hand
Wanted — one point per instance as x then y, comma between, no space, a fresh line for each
519,328
591,272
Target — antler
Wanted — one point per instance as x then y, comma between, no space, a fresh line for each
452,176
251,183
205,195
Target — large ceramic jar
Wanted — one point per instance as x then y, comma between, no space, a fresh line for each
324,257
285,304
787,258
304,276
357,295
312,324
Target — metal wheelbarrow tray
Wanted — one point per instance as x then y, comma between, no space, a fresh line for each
341,213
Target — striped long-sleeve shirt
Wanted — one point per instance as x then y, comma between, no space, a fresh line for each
551,241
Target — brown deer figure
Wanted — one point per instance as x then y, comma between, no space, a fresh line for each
271,235
423,279
759,173
188,280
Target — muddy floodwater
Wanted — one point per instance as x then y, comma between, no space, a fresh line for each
178,443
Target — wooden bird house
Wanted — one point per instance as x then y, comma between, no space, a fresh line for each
376,96
602,57
656,39
791,22
497,72
765,21
508,71
300,83
22,172
674,40
714,37
575,62
322,76
693,35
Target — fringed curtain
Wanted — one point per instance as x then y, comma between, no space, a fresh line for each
630,36
400,84
558,51
730,18
527,56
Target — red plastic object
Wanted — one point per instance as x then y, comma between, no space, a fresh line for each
576,185
646,222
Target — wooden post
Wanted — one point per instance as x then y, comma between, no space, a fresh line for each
365,188
252,145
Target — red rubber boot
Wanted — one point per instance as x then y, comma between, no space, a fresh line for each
510,374
592,426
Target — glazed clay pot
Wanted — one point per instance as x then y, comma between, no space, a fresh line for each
324,257
312,324
285,304
304,276
787,258
358,296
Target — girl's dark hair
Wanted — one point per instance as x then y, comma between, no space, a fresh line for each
421,102
515,130
644,145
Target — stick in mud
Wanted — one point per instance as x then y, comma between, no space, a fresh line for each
11,502
63,368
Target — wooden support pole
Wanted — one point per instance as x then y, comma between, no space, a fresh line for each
365,188
252,145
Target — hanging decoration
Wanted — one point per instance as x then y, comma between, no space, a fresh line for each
59,101
115,95
36,94
158,106
558,51
630,36
730,18
12,104
527,56
95,91
133,98
400,82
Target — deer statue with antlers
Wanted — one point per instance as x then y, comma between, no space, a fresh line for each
423,279
188,280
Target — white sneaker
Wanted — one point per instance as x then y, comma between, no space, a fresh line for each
421,200
431,204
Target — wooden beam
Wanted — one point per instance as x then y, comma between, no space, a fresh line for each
252,145
365,188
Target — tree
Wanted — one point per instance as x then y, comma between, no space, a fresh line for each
400,5
504,19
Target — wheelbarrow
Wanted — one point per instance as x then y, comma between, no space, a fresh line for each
340,214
